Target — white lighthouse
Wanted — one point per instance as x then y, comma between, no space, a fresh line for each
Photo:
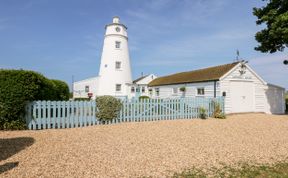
115,68
115,77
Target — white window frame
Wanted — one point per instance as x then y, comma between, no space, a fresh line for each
157,91
150,90
200,89
117,44
132,89
117,86
86,88
118,65
175,90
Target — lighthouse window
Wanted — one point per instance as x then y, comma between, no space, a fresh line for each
143,89
118,87
118,65
117,44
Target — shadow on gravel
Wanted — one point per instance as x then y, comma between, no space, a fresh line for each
10,147
7,166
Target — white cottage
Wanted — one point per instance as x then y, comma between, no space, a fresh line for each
243,89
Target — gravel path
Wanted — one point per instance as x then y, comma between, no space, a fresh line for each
156,149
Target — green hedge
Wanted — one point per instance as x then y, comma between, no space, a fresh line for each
18,87
144,97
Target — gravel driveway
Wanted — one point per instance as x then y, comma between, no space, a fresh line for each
156,149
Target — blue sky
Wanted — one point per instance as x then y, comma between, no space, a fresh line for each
61,38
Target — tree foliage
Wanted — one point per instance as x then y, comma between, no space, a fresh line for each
275,36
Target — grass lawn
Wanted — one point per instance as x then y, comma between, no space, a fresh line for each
260,171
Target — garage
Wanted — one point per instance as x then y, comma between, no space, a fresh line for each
243,90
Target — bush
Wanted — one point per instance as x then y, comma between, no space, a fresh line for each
218,112
144,97
17,88
202,113
108,107
61,89
81,99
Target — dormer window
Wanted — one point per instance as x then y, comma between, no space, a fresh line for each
117,44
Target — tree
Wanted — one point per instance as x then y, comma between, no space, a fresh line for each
275,36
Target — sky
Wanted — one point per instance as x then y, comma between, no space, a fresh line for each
64,38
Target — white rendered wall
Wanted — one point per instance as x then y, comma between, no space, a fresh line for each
109,76
79,88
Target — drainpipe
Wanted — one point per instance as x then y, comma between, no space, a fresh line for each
215,88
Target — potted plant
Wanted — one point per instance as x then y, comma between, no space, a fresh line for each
183,89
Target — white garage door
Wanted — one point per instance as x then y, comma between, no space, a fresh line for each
242,96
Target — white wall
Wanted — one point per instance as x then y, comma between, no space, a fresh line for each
79,87
275,99
166,91
143,83
259,99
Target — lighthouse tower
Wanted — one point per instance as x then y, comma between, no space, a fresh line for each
115,69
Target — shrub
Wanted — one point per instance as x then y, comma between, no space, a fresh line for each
81,99
108,107
61,89
144,97
218,112
202,113
17,88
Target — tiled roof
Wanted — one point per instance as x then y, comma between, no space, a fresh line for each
200,75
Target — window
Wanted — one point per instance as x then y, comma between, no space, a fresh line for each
86,88
150,91
200,91
138,90
117,44
143,89
132,89
157,91
118,65
175,90
118,87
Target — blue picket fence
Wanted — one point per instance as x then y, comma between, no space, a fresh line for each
71,114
